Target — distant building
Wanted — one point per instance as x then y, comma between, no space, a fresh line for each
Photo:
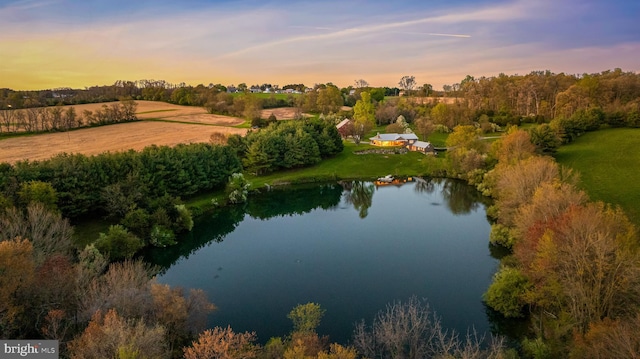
393,139
421,146
344,127
408,140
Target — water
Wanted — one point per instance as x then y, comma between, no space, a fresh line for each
352,248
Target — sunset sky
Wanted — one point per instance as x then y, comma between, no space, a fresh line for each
64,43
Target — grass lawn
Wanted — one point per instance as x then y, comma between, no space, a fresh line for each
348,165
609,165
438,139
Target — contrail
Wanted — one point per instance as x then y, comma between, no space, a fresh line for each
332,33
393,32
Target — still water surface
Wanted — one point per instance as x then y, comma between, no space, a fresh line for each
350,247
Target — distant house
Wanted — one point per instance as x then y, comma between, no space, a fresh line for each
255,90
408,140
344,127
421,146
393,139
232,89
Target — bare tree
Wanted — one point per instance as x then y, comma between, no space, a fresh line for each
7,117
360,83
412,330
407,83
47,230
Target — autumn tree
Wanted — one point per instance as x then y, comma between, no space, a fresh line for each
38,191
363,116
466,151
517,184
252,107
612,339
515,146
222,343
329,99
306,317
112,336
128,288
424,127
549,201
125,287
54,291
591,252
442,114
18,273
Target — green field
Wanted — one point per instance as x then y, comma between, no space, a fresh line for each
348,165
609,165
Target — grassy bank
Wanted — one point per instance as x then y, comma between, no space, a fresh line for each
608,162
350,165
346,165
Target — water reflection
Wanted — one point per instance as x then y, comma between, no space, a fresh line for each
299,244
459,197
424,185
359,194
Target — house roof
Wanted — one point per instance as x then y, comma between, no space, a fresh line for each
343,122
421,144
394,136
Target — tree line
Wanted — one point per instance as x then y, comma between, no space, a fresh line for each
286,145
57,118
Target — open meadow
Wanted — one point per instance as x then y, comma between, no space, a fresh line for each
609,165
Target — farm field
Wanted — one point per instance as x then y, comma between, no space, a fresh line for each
609,166
281,113
112,138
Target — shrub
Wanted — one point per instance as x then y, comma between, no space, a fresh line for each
138,222
38,191
506,293
185,219
306,317
238,188
501,235
118,243
162,236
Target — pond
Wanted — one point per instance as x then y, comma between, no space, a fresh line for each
351,247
